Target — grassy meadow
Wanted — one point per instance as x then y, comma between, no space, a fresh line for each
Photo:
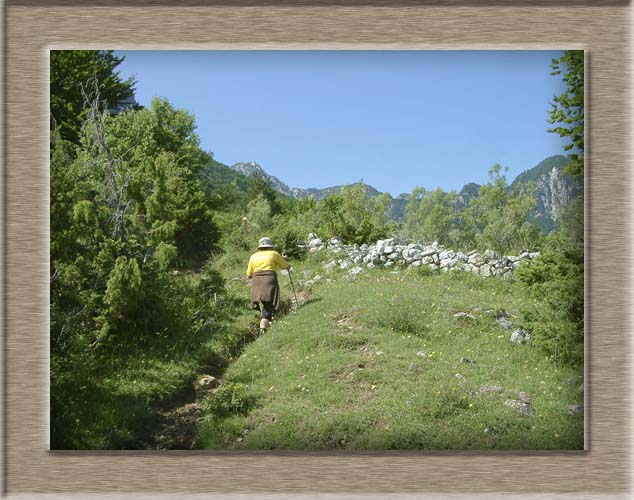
380,362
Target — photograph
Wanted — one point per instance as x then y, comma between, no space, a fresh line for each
317,250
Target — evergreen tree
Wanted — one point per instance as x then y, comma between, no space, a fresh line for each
558,273
260,186
567,113
73,75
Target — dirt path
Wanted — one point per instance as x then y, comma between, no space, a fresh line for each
174,421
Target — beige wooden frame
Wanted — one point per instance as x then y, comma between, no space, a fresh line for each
33,27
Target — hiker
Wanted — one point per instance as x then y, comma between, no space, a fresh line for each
265,291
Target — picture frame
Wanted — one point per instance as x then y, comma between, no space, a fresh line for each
33,27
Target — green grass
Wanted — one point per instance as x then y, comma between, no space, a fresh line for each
346,372
343,372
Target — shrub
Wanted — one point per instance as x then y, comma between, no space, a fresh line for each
231,399
557,277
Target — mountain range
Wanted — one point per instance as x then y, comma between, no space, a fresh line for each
555,189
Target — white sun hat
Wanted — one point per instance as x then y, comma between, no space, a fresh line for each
265,242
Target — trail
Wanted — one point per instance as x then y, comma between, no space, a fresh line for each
173,422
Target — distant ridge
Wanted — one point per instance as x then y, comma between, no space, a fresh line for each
555,189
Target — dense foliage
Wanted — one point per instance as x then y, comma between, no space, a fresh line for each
558,274
142,218
127,218
497,218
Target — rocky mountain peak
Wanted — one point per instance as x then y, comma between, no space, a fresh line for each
253,168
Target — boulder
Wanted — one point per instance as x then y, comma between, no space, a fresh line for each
465,315
448,262
315,242
355,271
476,259
502,319
520,336
484,389
523,407
329,266
446,254
574,409
206,383
489,255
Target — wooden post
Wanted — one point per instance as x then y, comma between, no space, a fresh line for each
245,230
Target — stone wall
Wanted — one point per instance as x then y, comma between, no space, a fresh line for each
390,253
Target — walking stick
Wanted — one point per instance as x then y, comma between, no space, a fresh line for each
292,288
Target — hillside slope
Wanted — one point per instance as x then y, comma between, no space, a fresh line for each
397,361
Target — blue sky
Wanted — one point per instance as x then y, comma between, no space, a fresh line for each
396,119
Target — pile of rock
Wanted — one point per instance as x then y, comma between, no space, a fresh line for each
389,253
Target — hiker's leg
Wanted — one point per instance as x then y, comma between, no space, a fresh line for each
267,314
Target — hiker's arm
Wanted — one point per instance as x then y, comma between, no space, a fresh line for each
250,270
282,263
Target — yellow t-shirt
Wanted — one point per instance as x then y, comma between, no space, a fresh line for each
266,260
